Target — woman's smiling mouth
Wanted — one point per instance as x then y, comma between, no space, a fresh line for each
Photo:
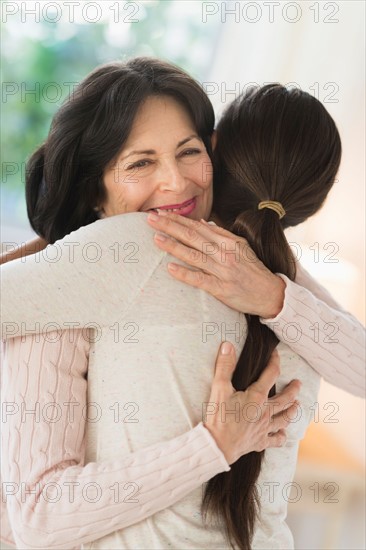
183,208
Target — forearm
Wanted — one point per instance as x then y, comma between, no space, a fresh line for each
49,287
330,339
51,454
73,282
128,491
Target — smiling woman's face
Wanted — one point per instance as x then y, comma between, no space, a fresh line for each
163,163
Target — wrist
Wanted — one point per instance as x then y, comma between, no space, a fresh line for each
276,299
227,455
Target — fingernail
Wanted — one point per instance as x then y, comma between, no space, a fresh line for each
204,221
172,267
160,237
163,213
153,217
226,348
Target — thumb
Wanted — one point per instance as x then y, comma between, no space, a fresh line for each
225,364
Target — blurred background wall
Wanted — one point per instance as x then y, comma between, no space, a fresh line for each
48,47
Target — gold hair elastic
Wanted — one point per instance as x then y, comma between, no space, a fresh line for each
273,205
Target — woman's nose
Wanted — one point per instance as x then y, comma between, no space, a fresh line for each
171,177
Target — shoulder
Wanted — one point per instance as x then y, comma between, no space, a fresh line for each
126,238
121,228
115,249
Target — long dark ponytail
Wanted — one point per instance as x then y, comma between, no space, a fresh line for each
279,145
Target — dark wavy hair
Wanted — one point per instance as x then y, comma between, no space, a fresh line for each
272,144
64,177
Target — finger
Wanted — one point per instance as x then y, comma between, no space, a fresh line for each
222,387
277,439
284,399
225,365
217,229
192,232
283,419
268,376
247,252
196,278
184,229
191,256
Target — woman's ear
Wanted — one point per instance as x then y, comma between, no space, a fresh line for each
214,140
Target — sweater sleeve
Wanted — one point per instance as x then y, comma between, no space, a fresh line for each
6,533
329,338
53,499
68,284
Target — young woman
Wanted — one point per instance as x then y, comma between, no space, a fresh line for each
127,297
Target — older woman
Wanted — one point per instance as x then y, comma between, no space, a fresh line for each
141,298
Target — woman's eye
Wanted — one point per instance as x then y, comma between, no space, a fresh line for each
190,152
139,164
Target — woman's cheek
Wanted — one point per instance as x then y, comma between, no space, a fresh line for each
207,172
202,174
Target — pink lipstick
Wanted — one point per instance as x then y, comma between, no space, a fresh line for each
183,209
